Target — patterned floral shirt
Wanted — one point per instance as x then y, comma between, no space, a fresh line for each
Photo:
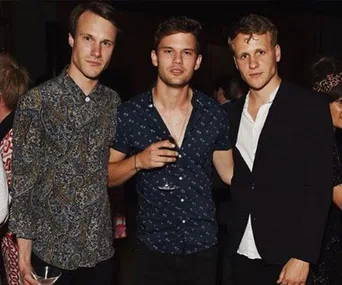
59,175
6,153
6,145
181,221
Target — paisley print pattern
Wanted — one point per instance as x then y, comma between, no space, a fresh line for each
59,178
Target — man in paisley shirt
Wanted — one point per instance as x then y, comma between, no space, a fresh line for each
62,133
176,225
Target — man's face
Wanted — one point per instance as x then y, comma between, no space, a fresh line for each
176,59
92,46
256,59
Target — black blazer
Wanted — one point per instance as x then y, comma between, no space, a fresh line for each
289,190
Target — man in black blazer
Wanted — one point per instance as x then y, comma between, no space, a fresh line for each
282,184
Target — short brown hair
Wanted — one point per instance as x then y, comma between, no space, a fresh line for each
101,8
254,24
178,24
14,80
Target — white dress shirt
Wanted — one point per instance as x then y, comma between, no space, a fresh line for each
4,195
247,142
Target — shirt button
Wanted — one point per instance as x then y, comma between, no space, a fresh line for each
182,200
180,178
87,99
179,155
253,186
183,221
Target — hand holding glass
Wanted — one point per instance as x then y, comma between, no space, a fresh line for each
166,184
45,274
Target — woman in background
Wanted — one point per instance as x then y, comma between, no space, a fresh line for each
327,77
14,81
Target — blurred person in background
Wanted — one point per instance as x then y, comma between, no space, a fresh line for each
228,88
14,81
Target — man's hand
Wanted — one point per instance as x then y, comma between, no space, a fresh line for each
26,276
25,267
294,272
156,155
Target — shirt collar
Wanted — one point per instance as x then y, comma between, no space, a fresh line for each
270,100
69,83
195,100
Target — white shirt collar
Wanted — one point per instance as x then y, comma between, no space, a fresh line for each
270,100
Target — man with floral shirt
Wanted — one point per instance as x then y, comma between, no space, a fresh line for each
62,133
177,229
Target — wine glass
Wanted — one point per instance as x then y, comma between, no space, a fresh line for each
46,274
166,183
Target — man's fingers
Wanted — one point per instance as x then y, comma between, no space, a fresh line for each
28,279
168,153
164,151
157,155
281,276
161,160
165,144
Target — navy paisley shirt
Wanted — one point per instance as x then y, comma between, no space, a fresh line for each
181,221
60,157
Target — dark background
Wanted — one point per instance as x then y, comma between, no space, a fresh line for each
35,32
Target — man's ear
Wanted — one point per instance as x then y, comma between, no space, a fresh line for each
71,40
198,62
2,101
278,52
154,58
236,66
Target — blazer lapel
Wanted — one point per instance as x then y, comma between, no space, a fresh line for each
234,111
276,114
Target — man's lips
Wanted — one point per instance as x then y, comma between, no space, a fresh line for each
176,71
95,63
254,75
